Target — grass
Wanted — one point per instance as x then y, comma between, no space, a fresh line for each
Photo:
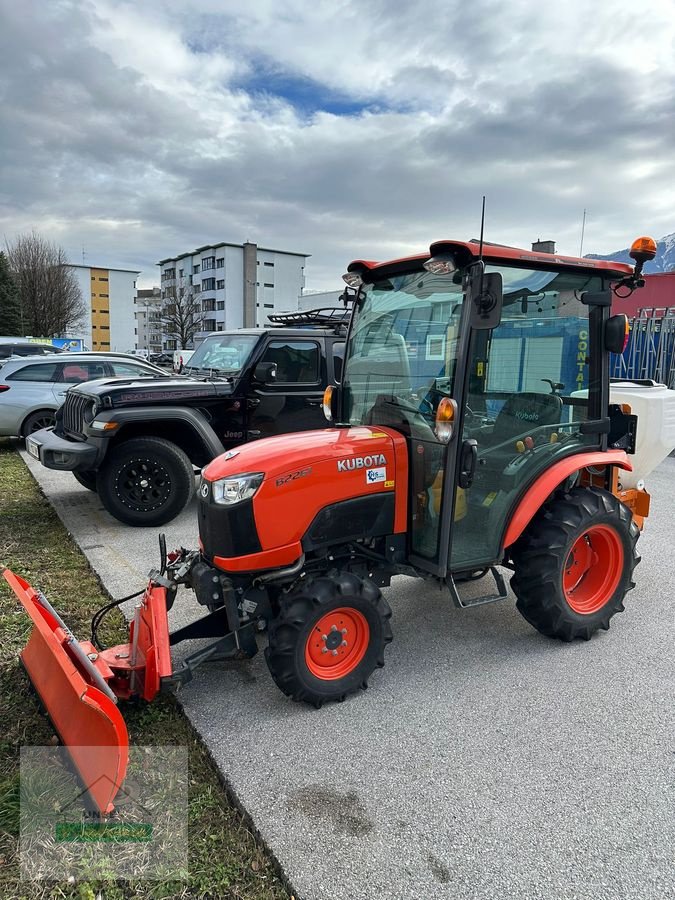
225,858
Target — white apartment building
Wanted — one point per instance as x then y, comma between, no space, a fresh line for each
236,285
149,320
109,322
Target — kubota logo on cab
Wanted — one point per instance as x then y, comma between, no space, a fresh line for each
361,462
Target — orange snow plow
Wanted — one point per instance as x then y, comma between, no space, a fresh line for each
81,682
80,686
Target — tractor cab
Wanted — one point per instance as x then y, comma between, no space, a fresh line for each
494,369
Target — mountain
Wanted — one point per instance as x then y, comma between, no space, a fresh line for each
664,261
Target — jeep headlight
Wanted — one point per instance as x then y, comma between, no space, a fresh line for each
227,491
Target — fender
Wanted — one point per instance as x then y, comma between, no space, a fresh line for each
146,414
535,495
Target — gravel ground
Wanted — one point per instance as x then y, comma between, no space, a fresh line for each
484,761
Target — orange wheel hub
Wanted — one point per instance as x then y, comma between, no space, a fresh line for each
337,643
593,569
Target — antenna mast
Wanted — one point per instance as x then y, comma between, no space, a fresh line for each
583,228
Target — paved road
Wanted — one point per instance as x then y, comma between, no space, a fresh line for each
484,761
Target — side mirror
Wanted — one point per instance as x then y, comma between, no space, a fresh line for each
486,295
265,373
617,332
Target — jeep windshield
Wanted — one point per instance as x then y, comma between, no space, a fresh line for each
222,354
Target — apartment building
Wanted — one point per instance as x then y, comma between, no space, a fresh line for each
109,322
149,320
235,285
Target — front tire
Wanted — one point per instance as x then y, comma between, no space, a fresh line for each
329,636
42,418
146,481
574,564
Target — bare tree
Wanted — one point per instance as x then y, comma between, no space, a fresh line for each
181,313
50,298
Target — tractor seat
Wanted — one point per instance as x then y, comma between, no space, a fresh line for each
523,411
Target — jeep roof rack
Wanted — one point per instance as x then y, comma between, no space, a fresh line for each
322,316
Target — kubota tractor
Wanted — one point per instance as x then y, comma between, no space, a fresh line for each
472,429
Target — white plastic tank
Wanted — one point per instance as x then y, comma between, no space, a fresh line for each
654,405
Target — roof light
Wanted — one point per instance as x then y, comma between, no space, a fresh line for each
353,279
643,249
441,264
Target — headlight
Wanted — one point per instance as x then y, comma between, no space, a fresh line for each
227,491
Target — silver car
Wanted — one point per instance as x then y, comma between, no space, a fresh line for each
33,387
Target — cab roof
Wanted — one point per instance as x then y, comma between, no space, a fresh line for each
466,252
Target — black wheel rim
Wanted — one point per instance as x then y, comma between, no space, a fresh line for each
143,484
45,421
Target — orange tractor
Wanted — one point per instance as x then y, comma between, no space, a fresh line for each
467,433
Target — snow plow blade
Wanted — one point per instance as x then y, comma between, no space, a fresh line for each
70,678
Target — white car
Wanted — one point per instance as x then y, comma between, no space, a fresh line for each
33,387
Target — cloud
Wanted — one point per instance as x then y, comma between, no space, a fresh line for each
337,128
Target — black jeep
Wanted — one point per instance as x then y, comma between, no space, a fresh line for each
137,442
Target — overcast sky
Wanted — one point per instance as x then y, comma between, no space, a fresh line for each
338,128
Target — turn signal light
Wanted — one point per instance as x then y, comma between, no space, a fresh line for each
327,403
446,415
643,249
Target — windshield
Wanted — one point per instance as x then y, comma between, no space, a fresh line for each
225,353
404,341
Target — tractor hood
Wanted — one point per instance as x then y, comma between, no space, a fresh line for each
303,476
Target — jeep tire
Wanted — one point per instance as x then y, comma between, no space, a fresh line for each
145,481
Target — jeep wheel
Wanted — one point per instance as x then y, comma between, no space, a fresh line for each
146,481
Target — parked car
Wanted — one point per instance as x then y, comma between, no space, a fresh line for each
10,346
181,359
162,359
33,388
137,443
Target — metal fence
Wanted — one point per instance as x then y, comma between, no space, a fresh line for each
651,347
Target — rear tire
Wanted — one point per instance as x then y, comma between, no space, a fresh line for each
145,481
42,418
329,636
87,478
574,564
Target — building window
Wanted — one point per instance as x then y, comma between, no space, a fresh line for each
220,285
103,295
267,284
209,284
220,262
168,274
269,305
220,304
102,278
195,268
270,264
219,326
208,262
209,325
208,306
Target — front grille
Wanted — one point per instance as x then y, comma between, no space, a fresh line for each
73,412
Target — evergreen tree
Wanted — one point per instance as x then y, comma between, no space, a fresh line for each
10,308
